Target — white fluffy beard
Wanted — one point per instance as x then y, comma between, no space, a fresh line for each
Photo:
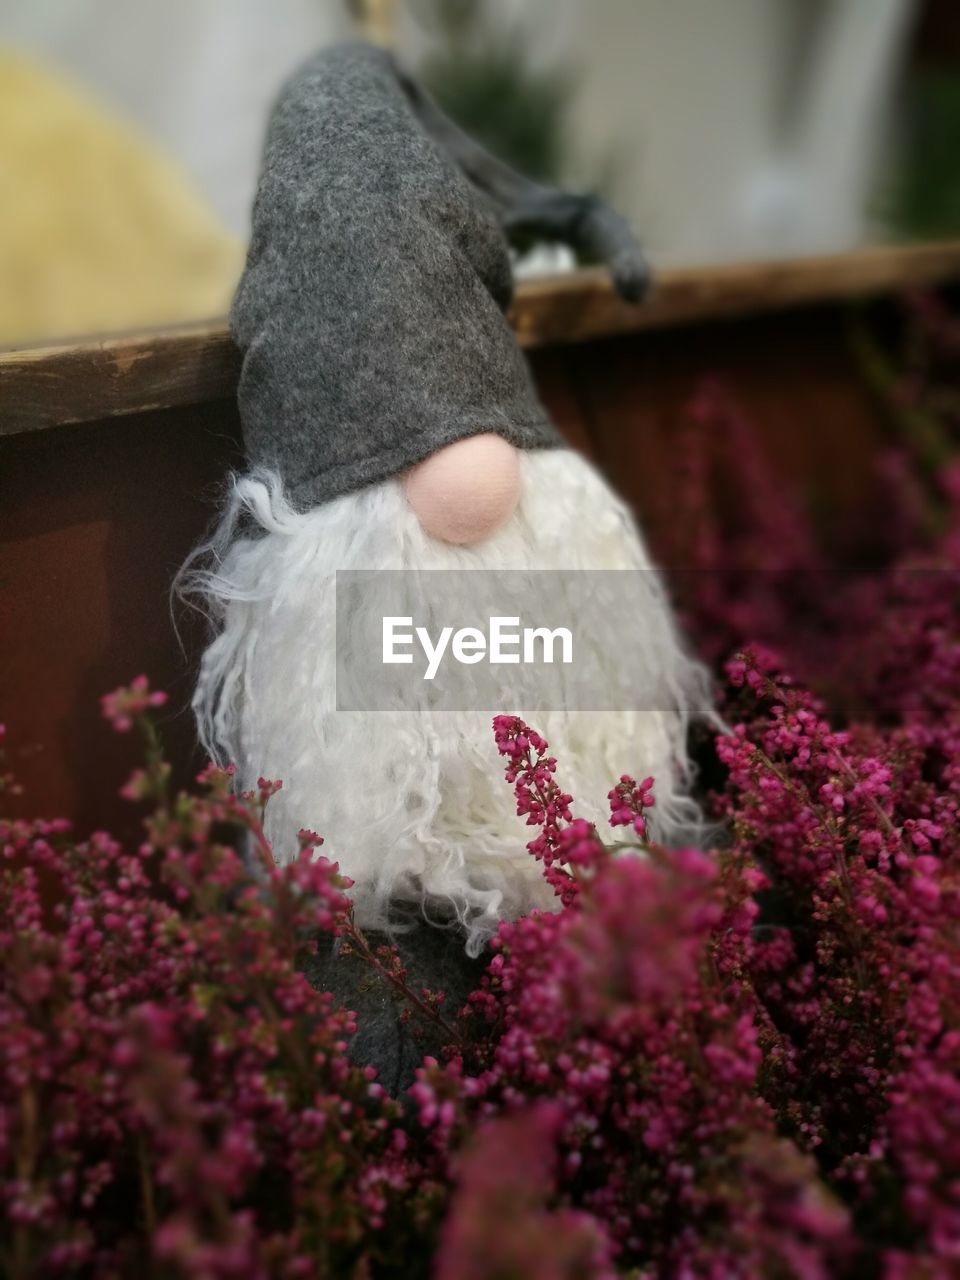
412,803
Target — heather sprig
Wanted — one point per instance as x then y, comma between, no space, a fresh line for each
742,1062
543,804
173,1092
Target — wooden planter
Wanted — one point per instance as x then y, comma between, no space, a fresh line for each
111,454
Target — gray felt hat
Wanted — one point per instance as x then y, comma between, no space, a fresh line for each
370,315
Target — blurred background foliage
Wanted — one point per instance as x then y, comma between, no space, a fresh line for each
484,74
925,200
751,129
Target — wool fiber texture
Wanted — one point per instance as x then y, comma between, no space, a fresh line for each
412,802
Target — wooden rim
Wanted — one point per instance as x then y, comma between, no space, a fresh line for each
194,364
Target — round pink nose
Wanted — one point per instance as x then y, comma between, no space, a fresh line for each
462,493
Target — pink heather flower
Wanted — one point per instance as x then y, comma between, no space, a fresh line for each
742,1062
500,1223
126,704
541,801
628,800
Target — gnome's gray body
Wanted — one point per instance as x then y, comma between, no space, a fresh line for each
370,319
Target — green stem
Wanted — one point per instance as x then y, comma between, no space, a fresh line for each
358,940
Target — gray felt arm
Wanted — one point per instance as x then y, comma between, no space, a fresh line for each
583,221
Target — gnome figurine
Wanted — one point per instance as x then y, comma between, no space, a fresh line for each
391,424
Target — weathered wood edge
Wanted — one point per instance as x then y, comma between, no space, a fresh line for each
89,380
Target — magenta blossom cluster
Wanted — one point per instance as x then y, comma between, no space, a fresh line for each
123,706
716,1065
175,1098
500,1222
857,966
628,1013
541,803
742,1063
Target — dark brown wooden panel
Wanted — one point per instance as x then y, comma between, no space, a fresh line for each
93,525
795,379
95,520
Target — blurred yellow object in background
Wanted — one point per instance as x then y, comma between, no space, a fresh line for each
99,230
